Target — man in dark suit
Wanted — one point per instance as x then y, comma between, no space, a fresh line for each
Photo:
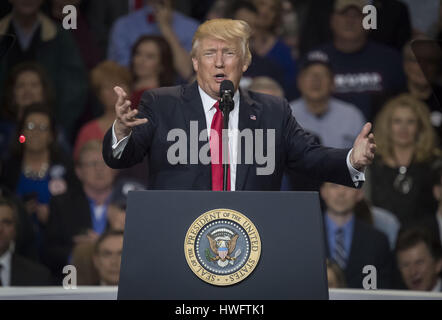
220,52
419,258
351,243
16,270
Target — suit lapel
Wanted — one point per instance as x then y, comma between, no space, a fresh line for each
193,107
193,110
249,117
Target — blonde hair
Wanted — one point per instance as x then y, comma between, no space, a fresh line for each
226,30
426,137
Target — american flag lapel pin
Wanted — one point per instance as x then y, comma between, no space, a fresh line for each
252,117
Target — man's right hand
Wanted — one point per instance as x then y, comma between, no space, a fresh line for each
126,119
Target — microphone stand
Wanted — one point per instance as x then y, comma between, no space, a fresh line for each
226,105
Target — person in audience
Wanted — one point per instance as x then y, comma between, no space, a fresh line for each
351,243
421,84
107,257
266,85
335,276
393,23
365,72
104,77
266,42
24,242
334,121
399,179
16,270
118,202
102,15
84,39
79,215
260,66
82,253
151,66
26,84
40,39
37,169
156,17
419,258
381,219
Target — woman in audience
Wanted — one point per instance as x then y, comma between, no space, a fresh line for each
27,83
104,77
267,43
151,66
400,178
37,168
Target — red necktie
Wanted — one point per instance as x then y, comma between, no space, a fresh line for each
216,151
138,4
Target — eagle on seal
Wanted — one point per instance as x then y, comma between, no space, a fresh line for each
223,248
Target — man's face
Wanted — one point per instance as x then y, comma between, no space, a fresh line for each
107,260
217,60
26,7
339,199
418,268
93,171
347,24
315,82
7,228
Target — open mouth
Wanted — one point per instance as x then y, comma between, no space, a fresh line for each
416,283
220,77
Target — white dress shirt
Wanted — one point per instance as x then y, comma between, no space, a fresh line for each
438,286
209,112
5,270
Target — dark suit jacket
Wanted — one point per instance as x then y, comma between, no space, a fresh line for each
70,216
368,247
174,107
25,272
430,223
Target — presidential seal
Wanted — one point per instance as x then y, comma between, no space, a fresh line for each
222,247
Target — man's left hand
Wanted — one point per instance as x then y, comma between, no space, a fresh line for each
364,148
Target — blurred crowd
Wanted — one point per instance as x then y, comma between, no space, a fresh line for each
60,204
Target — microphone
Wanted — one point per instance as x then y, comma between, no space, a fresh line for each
226,105
226,93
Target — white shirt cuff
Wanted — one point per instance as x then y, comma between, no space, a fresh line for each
118,146
356,176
